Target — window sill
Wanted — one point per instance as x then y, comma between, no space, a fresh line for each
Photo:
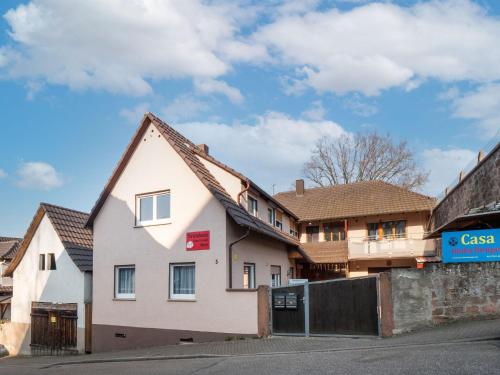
152,224
241,289
124,299
180,300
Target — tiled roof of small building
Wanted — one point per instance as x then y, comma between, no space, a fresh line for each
327,251
8,247
70,227
354,200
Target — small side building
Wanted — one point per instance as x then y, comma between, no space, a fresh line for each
8,249
52,281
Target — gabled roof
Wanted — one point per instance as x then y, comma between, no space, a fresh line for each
243,178
8,247
70,227
188,151
365,198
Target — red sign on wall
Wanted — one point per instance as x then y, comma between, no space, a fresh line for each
198,240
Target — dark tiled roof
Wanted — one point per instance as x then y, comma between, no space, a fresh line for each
82,257
354,200
188,151
70,227
6,289
326,252
8,247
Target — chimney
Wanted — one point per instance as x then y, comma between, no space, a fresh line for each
203,147
299,187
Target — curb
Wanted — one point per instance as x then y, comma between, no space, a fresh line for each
222,356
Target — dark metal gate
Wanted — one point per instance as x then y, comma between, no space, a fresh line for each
53,328
341,306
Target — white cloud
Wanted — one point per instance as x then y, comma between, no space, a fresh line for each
444,167
185,107
212,86
3,174
272,150
482,106
38,175
316,112
135,114
359,106
119,45
378,46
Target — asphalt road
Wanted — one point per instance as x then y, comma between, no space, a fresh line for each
449,358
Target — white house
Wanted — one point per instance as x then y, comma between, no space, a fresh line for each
181,243
52,281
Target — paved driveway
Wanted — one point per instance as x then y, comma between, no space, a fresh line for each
467,348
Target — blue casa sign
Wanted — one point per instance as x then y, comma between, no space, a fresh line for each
471,246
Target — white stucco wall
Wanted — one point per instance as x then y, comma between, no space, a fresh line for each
155,166
260,250
63,285
231,183
66,284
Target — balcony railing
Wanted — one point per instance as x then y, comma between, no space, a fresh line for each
403,247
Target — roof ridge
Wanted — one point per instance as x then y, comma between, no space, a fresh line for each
43,204
366,182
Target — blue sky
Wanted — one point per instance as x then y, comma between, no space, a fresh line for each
259,82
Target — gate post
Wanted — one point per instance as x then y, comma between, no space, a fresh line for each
263,311
306,309
386,319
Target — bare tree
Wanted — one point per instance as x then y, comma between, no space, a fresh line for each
363,157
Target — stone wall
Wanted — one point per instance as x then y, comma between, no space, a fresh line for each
479,187
444,292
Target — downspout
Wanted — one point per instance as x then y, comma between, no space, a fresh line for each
238,198
230,263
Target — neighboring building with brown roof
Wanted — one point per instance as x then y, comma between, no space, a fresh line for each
52,266
359,228
8,248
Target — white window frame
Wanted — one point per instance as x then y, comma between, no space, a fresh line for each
278,274
154,221
256,212
181,297
252,276
272,211
117,280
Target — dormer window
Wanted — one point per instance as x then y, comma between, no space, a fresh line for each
153,208
252,206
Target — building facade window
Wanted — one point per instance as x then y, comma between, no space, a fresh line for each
294,228
275,276
153,208
124,282
312,233
182,281
252,206
279,220
249,276
387,229
271,215
51,261
41,262
334,231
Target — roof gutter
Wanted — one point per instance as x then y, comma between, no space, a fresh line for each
230,262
